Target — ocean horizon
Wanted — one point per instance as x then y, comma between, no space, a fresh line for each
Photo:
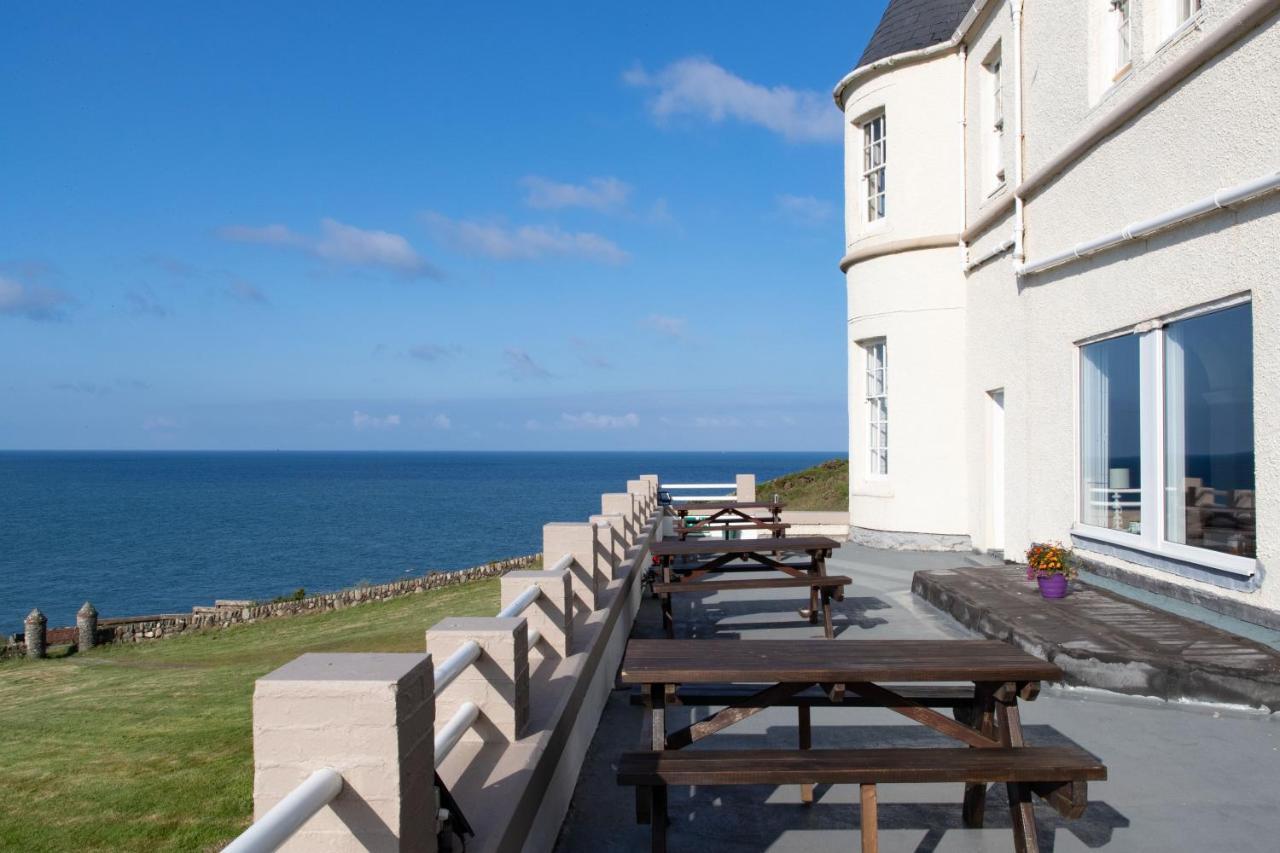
141,532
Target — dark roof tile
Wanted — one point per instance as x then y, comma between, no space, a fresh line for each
913,24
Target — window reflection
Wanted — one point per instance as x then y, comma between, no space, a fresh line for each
1111,435
1209,458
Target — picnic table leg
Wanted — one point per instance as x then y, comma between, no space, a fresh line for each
806,741
658,793
646,740
827,628
870,833
1024,818
668,620
975,793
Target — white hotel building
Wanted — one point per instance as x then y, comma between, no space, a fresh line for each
1063,270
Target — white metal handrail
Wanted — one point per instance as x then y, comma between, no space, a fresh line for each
669,486
453,666
464,718
287,816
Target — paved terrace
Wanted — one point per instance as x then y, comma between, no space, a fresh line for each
1182,776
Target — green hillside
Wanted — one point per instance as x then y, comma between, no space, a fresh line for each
823,487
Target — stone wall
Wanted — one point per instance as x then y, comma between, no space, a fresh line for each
134,629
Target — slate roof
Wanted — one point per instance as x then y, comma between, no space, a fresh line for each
913,24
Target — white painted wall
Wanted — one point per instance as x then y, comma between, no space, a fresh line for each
954,338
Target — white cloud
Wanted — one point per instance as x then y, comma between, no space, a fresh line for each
340,243
521,243
362,421
159,424
143,303
717,422
532,425
672,327
699,87
43,304
431,352
520,365
243,291
441,422
590,420
597,194
805,209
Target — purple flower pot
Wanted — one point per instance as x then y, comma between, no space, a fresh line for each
1053,586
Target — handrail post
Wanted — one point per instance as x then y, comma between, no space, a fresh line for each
551,615
578,540
369,717
639,489
745,490
498,681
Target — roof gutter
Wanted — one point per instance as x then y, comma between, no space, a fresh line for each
909,57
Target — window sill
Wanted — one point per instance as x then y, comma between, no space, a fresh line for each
1191,23
1237,567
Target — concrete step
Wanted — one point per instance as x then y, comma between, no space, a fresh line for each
1101,639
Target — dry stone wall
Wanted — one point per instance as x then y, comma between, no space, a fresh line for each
134,629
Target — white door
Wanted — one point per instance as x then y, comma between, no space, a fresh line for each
995,472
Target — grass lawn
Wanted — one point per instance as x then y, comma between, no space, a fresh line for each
149,746
823,487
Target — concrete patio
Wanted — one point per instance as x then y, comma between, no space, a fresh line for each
1182,776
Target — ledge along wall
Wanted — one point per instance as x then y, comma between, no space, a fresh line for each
512,772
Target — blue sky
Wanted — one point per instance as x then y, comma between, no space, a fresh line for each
423,225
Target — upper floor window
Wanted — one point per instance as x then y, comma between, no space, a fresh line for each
1184,9
877,400
1121,38
873,166
994,141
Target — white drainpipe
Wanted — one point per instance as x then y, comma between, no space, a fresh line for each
1136,231
1019,225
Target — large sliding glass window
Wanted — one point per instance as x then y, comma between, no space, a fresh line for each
1208,432
1166,438
1110,406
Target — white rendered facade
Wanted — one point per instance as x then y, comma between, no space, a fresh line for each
970,286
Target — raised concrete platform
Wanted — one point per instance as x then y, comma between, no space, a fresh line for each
1101,639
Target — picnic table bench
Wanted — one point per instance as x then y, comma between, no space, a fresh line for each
745,677
754,554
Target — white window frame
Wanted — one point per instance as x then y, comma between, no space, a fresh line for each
1180,15
873,214
875,356
1120,17
1151,405
993,81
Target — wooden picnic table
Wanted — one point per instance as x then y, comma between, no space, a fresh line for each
739,509
748,676
755,555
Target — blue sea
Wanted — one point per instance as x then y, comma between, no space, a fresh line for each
146,532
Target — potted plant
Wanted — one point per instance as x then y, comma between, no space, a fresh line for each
1052,565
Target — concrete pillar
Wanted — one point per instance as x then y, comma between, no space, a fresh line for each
577,539
371,718
34,626
624,505
552,614
86,627
747,488
498,682
611,545
640,489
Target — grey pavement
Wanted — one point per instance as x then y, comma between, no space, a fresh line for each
1182,777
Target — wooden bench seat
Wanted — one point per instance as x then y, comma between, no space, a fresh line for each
1058,773
818,582
960,696
819,586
